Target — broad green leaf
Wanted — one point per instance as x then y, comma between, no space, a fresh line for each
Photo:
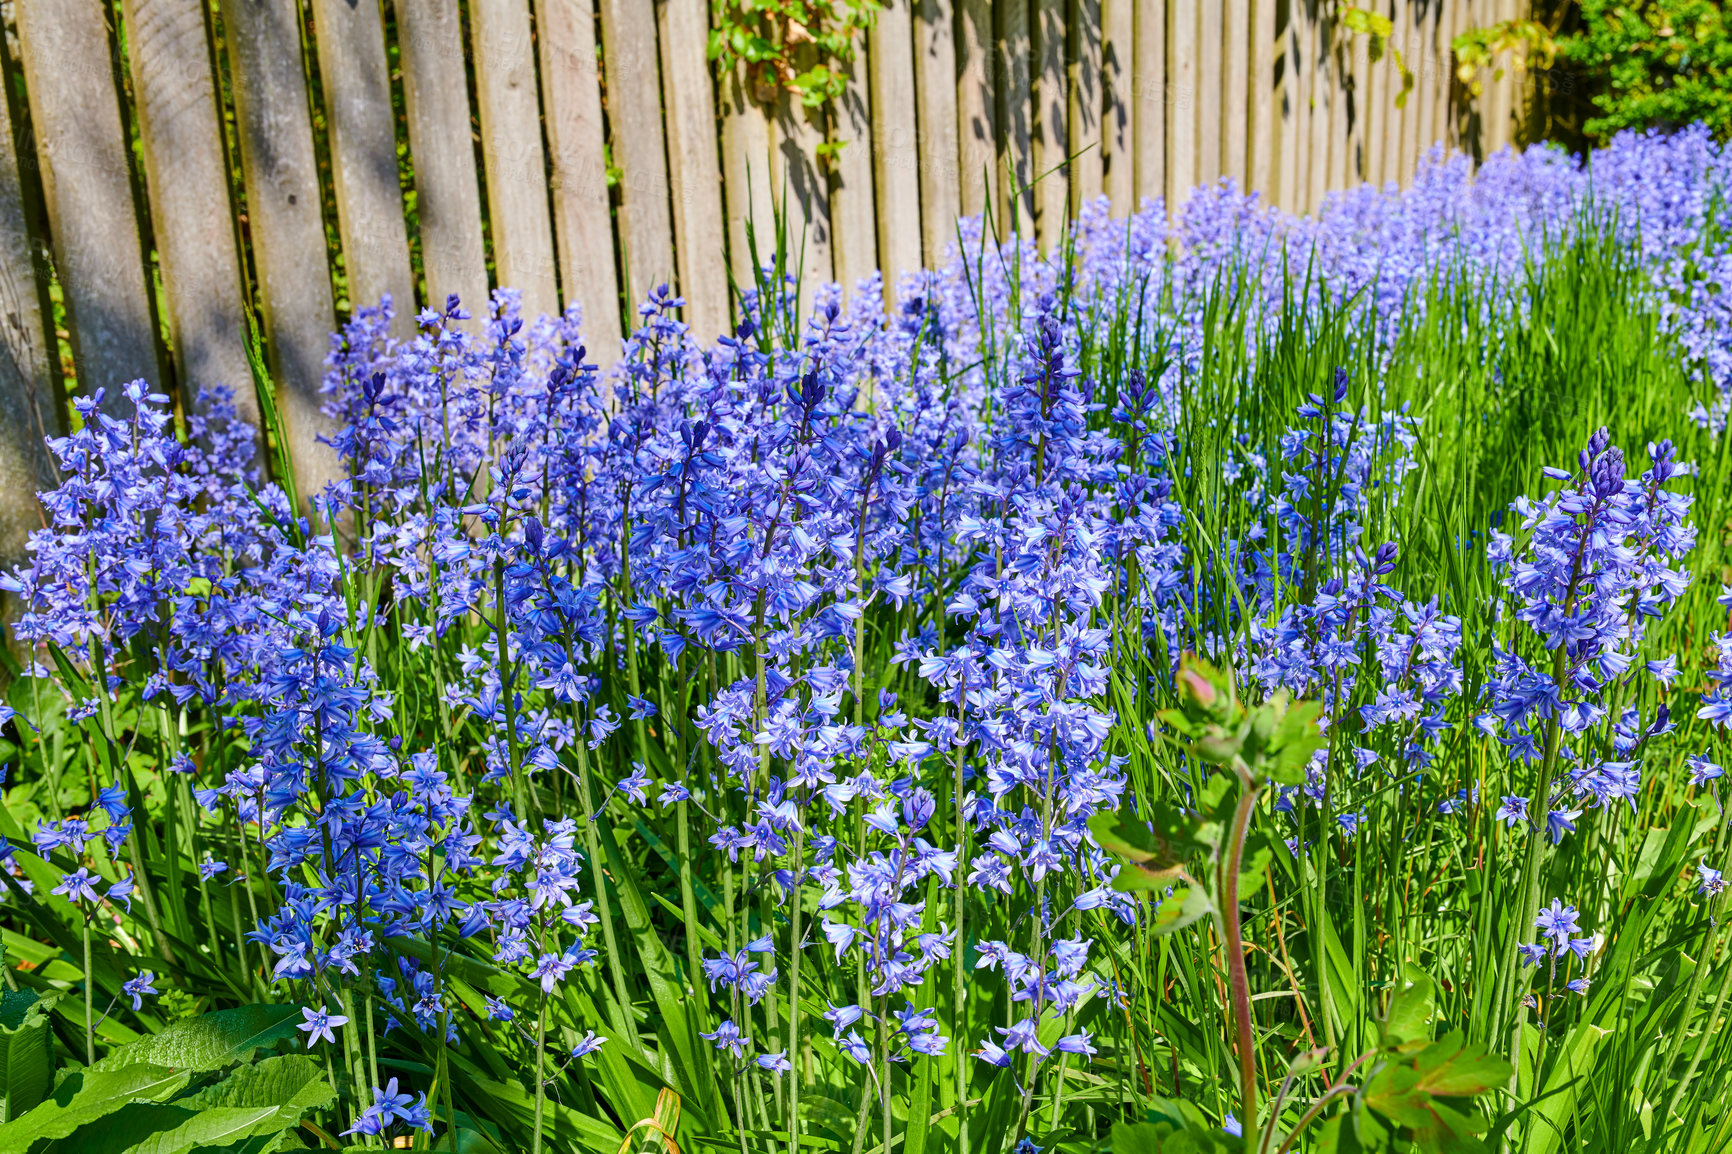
292,1083
174,1128
211,1041
1563,1086
87,1095
26,1053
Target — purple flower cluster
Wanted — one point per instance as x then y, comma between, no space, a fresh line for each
847,599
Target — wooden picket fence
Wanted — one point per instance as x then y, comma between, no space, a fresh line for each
177,163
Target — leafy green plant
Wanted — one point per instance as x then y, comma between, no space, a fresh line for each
1379,28
197,1085
1657,63
1522,43
1413,1090
800,46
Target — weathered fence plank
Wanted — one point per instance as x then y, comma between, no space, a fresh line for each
628,38
936,92
852,200
284,221
1265,44
976,108
699,232
1210,89
895,144
1235,103
747,144
1295,108
447,188
1181,103
1051,122
81,148
582,212
803,192
1118,103
1338,86
1150,98
168,53
1015,120
505,92
1318,160
31,407
1359,107
1427,80
1372,92
1083,56
350,35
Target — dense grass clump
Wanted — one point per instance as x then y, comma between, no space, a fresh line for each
1258,685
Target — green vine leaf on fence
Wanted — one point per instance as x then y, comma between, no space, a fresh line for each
1480,48
803,47
1379,28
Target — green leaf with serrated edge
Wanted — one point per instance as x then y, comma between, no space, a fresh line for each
1187,904
85,1096
1411,1008
211,1041
1454,1068
1123,835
